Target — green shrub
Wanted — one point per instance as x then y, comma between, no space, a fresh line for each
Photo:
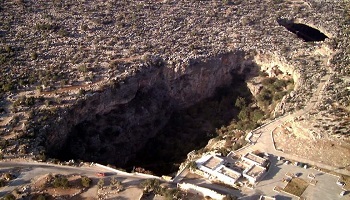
60,182
100,183
192,165
34,56
85,181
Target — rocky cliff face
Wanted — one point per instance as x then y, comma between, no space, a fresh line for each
274,64
120,119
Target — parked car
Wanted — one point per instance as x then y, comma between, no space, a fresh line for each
100,174
340,183
342,193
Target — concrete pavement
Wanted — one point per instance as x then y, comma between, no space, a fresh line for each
265,143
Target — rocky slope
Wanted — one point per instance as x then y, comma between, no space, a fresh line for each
67,64
119,120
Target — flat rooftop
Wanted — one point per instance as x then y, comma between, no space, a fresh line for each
212,162
255,158
255,171
230,172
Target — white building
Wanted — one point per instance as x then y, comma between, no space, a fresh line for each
229,169
254,173
253,159
256,169
214,169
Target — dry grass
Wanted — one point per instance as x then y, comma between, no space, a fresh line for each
296,186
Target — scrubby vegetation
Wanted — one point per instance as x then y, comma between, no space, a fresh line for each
153,185
85,181
273,90
60,181
52,59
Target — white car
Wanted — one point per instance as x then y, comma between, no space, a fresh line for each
340,183
342,193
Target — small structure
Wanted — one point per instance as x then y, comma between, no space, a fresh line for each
208,164
254,173
227,175
254,159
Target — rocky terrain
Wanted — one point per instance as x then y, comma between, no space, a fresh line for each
67,64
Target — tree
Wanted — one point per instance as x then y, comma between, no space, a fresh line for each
244,114
34,56
151,185
257,115
119,185
85,181
240,102
116,184
81,92
113,181
192,165
171,194
60,182
100,183
223,151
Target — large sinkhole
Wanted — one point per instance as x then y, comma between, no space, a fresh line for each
125,137
305,32
153,119
190,129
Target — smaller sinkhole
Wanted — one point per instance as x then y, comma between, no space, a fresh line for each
305,32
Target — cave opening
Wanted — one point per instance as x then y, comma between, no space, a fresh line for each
303,31
178,132
191,129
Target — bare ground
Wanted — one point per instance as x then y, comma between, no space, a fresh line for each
300,142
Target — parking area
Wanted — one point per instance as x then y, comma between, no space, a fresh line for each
320,185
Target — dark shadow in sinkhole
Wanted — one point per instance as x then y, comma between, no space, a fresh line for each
190,129
305,32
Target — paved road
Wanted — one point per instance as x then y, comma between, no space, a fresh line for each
31,170
264,140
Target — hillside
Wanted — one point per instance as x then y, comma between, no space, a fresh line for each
65,64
